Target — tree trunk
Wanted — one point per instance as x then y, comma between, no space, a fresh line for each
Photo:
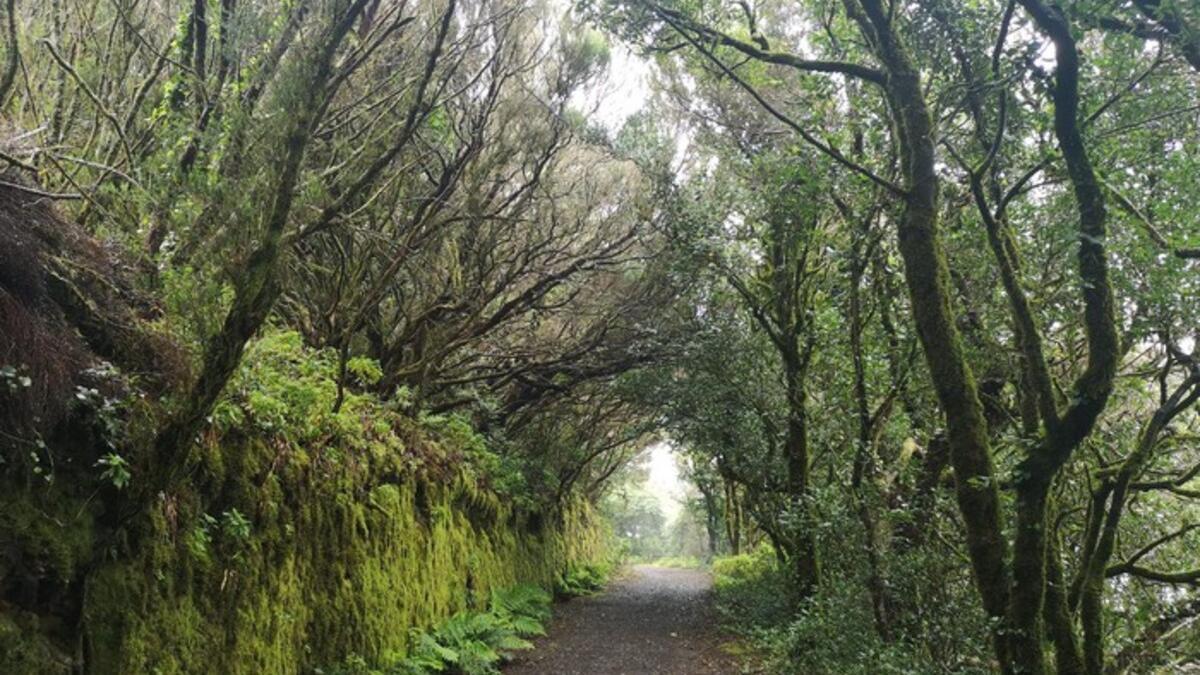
733,525
257,290
928,280
805,563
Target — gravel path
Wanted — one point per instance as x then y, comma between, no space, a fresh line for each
653,621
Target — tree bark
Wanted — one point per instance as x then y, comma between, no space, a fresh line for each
255,295
928,280
11,56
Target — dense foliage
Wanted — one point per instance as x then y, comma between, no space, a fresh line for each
309,311
942,347
325,320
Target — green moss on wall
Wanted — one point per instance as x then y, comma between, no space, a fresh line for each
303,536
325,574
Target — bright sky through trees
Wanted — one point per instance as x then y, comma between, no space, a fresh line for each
663,479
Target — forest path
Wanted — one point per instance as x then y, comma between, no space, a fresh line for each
651,621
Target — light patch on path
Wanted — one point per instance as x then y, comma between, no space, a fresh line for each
654,621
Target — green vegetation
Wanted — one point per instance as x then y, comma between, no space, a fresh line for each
309,332
330,328
583,579
468,643
835,631
943,321
307,535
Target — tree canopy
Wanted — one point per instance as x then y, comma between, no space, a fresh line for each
913,288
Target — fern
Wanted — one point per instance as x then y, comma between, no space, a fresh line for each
582,580
477,640
470,643
526,608
429,655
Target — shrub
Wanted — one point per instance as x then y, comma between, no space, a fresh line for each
468,643
582,579
751,589
833,631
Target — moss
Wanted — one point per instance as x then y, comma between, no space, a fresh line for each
336,566
51,530
24,649
363,525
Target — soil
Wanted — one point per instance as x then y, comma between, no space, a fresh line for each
651,621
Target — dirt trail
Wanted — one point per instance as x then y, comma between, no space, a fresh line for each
654,621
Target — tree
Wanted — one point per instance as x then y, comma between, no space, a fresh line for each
867,52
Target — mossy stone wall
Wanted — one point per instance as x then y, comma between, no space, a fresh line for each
305,533
343,574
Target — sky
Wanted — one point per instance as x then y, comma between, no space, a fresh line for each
622,91
664,481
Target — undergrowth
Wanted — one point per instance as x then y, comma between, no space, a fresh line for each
832,633
583,579
468,643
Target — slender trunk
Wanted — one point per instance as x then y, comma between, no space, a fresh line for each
732,517
11,56
1067,656
928,280
805,564
712,518
210,113
200,44
882,604
734,507
1096,565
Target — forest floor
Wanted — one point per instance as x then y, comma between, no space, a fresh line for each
650,621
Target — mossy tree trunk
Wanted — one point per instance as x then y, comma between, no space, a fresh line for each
257,289
804,554
11,56
928,280
1065,432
